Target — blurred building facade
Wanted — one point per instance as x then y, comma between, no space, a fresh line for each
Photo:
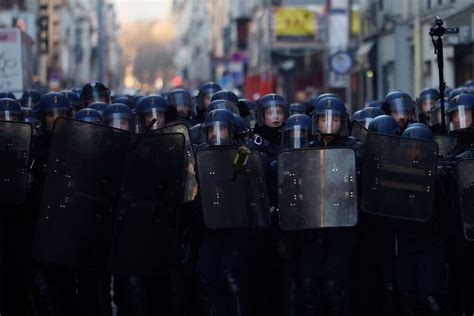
65,38
360,49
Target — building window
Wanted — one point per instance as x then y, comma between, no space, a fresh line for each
428,4
440,2
380,4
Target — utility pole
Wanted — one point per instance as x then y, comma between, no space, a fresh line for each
101,38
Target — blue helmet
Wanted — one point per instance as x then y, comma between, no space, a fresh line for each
219,127
418,131
272,110
374,104
401,106
330,117
182,101
30,99
366,115
53,102
94,91
99,106
223,104
206,90
384,124
313,101
297,131
149,108
459,112
51,106
10,110
76,90
425,104
124,100
458,91
7,94
74,100
88,115
118,115
225,95
297,108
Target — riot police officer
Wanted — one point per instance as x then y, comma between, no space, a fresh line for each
297,132
74,100
152,107
98,106
222,267
10,110
30,99
297,108
54,291
119,116
203,98
94,91
460,117
330,128
247,112
400,106
14,230
360,122
182,102
88,115
425,104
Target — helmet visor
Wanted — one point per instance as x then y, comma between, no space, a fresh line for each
218,133
296,137
461,118
119,121
329,122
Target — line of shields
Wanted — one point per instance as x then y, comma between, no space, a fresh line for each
111,199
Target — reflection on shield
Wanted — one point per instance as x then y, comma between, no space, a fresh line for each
317,188
227,203
399,177
15,142
465,186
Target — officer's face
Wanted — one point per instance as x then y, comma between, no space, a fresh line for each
462,121
274,116
427,105
160,120
330,125
206,100
401,118
298,138
218,134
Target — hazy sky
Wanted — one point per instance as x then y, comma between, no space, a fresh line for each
142,10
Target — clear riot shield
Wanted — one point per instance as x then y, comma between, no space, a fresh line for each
317,188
